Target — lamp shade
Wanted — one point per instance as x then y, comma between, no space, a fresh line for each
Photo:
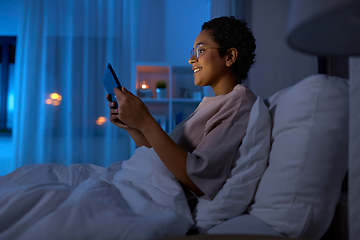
325,27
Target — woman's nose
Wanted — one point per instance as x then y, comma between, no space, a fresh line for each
192,59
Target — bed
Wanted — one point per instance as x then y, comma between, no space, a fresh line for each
287,182
135,199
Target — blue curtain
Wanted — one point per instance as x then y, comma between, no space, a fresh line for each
63,48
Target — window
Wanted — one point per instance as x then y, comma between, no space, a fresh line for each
7,62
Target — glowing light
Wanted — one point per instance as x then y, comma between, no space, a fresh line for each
54,96
144,85
101,120
11,102
54,99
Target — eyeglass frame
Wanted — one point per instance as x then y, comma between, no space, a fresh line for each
197,50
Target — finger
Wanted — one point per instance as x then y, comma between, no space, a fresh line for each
127,92
115,120
118,93
113,105
121,124
124,90
113,111
108,97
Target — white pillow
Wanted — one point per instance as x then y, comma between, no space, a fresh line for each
239,189
299,190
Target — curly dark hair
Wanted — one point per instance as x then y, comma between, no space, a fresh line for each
229,32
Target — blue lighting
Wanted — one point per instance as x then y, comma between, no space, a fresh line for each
10,102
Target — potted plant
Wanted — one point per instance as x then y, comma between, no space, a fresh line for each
161,89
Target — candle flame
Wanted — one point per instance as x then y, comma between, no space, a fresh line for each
144,85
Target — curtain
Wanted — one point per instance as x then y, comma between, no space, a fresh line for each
63,48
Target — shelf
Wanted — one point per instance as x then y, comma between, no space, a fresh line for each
157,69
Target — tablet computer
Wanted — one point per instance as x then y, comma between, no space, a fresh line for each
110,80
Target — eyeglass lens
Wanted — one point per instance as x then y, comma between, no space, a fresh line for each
195,51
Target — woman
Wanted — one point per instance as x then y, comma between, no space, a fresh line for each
200,151
141,198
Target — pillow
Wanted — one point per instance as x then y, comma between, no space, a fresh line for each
238,191
299,190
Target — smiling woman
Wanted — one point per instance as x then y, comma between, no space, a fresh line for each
239,48
158,187
201,149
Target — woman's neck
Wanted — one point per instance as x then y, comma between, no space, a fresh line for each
225,86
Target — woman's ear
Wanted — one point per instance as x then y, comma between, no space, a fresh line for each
231,56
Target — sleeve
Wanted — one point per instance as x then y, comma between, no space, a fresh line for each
209,165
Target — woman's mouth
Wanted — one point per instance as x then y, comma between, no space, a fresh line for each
196,70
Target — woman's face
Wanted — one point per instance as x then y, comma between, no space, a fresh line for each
209,68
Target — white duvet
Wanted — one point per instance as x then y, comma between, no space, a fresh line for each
135,199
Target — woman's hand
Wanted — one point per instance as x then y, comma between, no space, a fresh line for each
131,110
114,114
135,134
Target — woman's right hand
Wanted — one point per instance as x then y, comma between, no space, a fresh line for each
114,119
135,134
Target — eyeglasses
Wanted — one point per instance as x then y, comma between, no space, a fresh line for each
199,50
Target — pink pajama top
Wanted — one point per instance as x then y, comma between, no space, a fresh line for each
212,135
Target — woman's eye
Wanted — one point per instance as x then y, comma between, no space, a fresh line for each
202,50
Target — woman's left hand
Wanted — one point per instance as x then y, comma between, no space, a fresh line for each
131,110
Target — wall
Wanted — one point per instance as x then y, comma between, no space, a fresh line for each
277,65
183,24
149,30
165,30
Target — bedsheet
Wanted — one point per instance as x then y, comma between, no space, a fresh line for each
134,199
